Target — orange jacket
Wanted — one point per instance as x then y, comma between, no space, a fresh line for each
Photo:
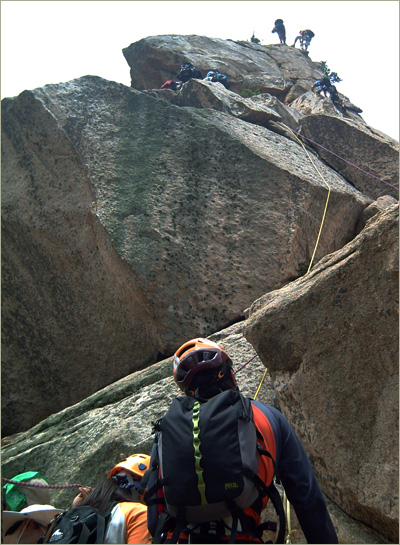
128,524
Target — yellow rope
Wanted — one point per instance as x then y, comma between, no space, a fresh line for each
262,380
327,199
286,504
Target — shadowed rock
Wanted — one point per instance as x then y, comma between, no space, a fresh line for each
330,340
73,313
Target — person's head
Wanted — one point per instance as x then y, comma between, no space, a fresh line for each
203,368
130,471
29,524
16,497
106,492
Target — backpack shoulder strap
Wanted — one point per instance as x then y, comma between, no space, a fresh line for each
159,528
272,492
144,481
179,526
102,520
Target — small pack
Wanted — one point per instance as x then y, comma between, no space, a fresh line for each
82,524
204,465
170,84
217,77
188,71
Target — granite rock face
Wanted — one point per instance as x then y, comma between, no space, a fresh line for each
265,69
133,219
73,313
330,340
131,224
367,158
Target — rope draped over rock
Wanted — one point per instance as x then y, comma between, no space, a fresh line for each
340,157
37,485
244,365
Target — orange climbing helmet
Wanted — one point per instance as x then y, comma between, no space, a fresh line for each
198,355
137,464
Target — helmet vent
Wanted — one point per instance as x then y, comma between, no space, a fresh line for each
185,348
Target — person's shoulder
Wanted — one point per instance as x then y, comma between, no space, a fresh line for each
268,411
132,507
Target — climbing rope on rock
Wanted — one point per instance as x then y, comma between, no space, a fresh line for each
37,485
327,198
340,157
244,365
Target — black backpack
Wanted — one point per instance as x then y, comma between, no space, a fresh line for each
83,524
188,71
204,468
218,77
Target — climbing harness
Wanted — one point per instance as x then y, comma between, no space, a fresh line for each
37,485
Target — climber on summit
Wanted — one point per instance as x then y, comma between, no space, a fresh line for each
305,37
203,371
280,29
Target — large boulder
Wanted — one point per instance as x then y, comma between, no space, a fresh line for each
272,69
330,340
186,203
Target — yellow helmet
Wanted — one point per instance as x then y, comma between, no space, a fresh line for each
137,464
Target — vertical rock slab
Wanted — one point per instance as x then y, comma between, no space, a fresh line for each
330,340
73,316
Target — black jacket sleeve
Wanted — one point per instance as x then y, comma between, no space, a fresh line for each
299,481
